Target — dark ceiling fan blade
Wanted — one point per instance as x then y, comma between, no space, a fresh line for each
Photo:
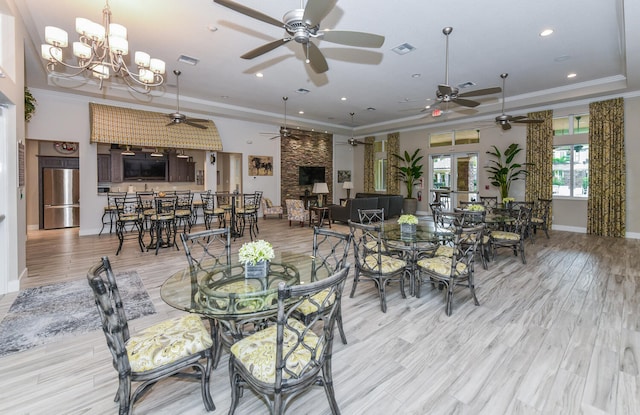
465,102
479,92
506,126
316,10
193,124
265,48
526,121
249,12
197,119
316,59
349,38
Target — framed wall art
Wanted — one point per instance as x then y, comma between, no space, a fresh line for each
260,166
344,176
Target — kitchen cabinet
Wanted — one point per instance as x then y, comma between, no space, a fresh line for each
181,169
116,166
104,168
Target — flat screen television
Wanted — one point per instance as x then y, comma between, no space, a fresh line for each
144,168
308,175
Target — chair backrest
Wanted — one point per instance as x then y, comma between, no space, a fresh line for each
111,197
465,242
208,201
470,218
330,251
542,209
314,339
258,197
522,221
367,246
146,200
127,208
223,200
519,203
294,205
368,216
207,249
435,208
111,310
250,202
166,205
184,199
490,202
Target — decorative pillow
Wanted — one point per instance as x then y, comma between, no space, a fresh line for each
343,203
268,202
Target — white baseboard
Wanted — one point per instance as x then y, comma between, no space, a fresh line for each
575,229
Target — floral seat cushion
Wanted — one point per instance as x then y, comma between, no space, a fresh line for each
389,264
167,342
444,251
311,306
441,265
509,236
257,352
537,220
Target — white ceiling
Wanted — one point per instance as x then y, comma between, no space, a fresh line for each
489,37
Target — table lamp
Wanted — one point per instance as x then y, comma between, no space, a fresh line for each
320,189
348,186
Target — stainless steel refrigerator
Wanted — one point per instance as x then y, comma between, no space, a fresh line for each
61,198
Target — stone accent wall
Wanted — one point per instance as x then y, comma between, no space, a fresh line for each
314,150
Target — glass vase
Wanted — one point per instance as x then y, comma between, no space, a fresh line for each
259,270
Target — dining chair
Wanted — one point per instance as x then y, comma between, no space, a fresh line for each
165,349
476,218
454,270
540,216
258,202
248,213
206,250
513,239
184,210
369,216
129,221
489,202
163,223
373,262
330,251
110,210
224,208
289,357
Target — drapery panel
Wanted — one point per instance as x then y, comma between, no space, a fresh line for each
125,126
393,147
606,210
369,186
539,156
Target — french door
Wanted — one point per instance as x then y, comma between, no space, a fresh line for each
454,177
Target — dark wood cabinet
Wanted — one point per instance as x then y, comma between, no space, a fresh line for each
104,168
116,166
181,169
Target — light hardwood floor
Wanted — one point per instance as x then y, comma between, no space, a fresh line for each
559,335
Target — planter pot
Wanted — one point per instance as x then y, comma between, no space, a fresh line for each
407,228
409,206
259,270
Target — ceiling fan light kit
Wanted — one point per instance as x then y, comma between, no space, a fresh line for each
504,120
179,118
302,25
100,51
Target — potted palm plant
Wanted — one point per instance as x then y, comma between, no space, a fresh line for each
409,172
503,170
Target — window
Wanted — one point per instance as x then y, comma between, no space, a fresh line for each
450,138
571,170
380,165
573,124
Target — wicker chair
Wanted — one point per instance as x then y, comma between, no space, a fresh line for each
162,350
540,216
296,211
513,239
373,262
369,216
285,359
456,269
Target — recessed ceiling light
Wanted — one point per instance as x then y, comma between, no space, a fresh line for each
546,32
302,91
259,75
572,75
300,112
343,99
416,75
371,109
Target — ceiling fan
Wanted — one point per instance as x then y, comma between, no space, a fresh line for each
179,118
352,141
286,132
302,25
505,120
446,93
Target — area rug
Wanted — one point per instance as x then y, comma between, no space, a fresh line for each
39,315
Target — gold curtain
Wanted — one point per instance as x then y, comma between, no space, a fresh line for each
393,147
606,209
539,151
368,165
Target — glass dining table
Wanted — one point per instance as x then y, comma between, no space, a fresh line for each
223,293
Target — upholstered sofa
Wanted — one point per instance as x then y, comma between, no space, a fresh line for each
392,204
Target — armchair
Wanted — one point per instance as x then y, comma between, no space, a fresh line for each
269,209
296,211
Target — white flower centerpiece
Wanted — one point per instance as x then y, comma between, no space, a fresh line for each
506,201
407,223
256,256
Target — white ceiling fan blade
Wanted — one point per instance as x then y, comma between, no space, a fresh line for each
249,12
349,38
265,48
316,10
316,59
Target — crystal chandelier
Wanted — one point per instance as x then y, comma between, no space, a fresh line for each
100,51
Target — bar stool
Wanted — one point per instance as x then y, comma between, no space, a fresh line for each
110,210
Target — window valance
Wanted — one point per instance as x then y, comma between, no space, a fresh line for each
125,126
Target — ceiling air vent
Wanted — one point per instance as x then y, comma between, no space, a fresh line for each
189,60
403,49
